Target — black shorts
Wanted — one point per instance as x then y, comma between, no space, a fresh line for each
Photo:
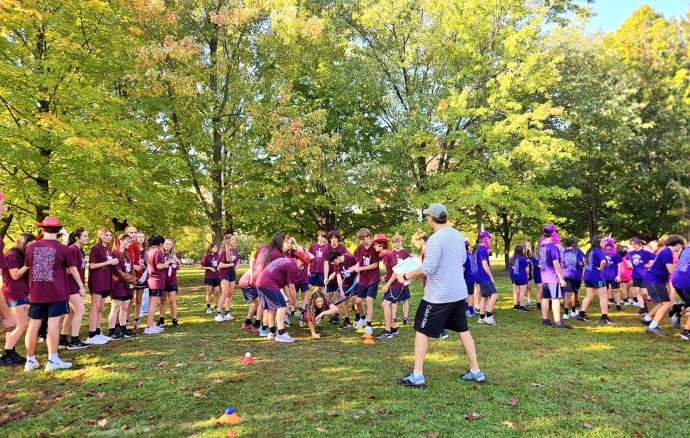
572,285
302,287
123,298
487,289
48,310
595,284
316,279
637,282
103,293
613,284
332,287
368,291
231,276
431,319
684,294
249,293
658,293
551,291
213,282
172,288
156,292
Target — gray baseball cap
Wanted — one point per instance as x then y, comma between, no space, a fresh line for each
435,210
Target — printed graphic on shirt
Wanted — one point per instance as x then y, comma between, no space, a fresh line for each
570,260
43,263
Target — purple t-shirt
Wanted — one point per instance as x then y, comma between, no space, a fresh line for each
470,266
120,288
480,255
76,258
610,271
156,279
681,275
224,258
101,279
14,290
278,274
365,257
658,272
639,259
592,272
210,261
320,253
48,261
548,254
519,270
573,264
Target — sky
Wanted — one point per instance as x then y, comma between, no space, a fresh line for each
612,13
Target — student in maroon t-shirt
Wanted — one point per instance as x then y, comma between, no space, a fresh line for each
340,265
140,243
124,280
8,322
319,264
48,262
369,277
15,290
209,263
393,290
156,281
75,285
227,263
264,255
101,261
170,283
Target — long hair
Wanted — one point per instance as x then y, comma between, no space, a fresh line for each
311,309
209,248
75,235
172,249
156,240
226,245
277,243
100,233
596,243
122,254
519,251
527,247
19,248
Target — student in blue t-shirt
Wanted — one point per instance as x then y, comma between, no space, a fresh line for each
487,287
594,281
518,270
655,281
470,274
641,259
610,273
681,283
573,265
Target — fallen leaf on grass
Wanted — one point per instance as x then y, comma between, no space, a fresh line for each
320,429
104,415
587,411
536,385
677,350
4,419
509,424
513,401
471,416
162,363
198,394
89,422
432,435
654,389
586,425
217,381
139,384
384,411
231,434
290,376
130,367
184,388
637,434
332,414
102,422
613,411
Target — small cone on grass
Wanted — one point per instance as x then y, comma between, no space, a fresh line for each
229,417
367,336
369,341
247,359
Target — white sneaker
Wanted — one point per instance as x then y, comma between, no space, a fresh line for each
490,320
529,302
301,324
359,324
481,321
284,338
675,322
228,317
57,365
209,310
476,310
368,330
566,316
151,330
574,313
95,341
31,365
104,337
271,336
219,318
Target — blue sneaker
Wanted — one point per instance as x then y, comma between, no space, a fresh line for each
443,335
477,377
264,332
411,380
469,313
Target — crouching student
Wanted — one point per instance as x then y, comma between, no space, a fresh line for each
316,309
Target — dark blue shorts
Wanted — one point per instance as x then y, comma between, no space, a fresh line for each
368,291
231,276
637,282
470,287
520,283
213,282
156,292
48,310
595,284
249,293
332,287
103,293
17,303
316,279
658,293
613,284
397,295
271,299
487,289
302,287
171,288
572,285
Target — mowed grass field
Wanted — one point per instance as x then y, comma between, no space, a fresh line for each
591,381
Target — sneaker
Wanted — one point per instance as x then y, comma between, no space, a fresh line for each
127,333
655,331
394,331
675,322
31,365
516,307
582,317
137,326
284,338
360,323
642,311
175,324
41,338
104,337
385,335
209,310
345,324
95,341
151,330
626,303
443,335
271,336
612,301
412,381
228,317
160,323
469,313
619,308
476,310
546,322
368,330
335,320
77,345
684,335
58,364
302,324
605,320
573,314
477,377
562,325
249,327
116,334
405,320
529,302
524,309
11,360
63,343
219,318
490,320
264,332
481,321
645,322
566,316
287,322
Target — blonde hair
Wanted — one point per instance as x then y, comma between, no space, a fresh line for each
397,238
102,232
363,232
172,247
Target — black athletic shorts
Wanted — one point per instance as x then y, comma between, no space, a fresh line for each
572,285
684,294
637,282
48,310
431,318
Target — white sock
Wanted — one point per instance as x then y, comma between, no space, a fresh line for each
53,357
647,318
416,374
653,325
31,359
474,371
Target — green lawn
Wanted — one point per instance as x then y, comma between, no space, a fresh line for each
591,381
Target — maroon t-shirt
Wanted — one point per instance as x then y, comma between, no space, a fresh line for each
223,258
48,261
365,257
259,260
320,253
331,267
76,258
390,259
278,274
120,288
347,276
171,273
210,261
14,290
101,279
156,279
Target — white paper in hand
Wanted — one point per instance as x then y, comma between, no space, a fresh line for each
405,266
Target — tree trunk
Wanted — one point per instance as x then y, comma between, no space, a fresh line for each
216,168
507,237
5,223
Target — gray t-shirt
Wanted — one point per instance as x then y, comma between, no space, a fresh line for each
444,257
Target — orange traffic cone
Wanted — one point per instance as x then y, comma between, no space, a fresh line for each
229,417
369,341
367,336
247,358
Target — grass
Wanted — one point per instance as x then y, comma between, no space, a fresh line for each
591,381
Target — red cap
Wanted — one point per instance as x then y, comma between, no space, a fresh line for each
303,256
49,221
380,238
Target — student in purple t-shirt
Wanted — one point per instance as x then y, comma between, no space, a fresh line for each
209,263
656,279
594,281
76,281
228,261
681,283
518,271
367,267
264,255
319,264
641,259
610,272
157,265
573,266
101,261
48,262
553,282
279,274
15,291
